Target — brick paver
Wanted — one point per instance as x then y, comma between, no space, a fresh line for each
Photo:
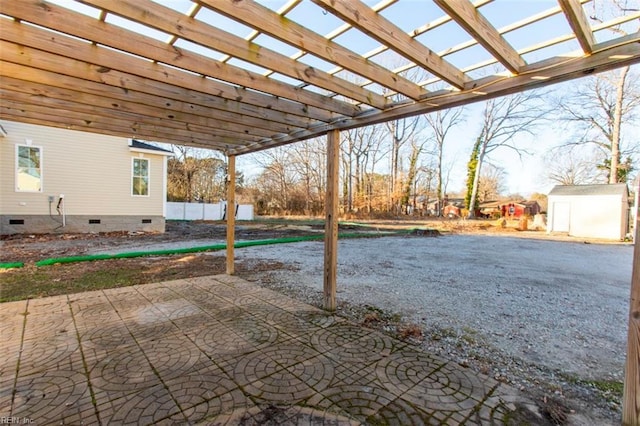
220,350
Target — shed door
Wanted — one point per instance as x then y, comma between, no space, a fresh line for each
561,212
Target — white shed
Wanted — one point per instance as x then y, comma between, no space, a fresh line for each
590,211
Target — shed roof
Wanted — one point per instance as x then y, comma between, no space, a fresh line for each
599,189
242,75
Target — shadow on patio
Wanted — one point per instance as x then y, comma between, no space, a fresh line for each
219,350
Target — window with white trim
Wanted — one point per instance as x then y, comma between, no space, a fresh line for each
28,168
140,177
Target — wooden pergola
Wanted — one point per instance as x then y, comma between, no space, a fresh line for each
238,76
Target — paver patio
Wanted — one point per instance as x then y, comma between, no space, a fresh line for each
220,350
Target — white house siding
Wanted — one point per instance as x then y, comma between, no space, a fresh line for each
94,174
589,216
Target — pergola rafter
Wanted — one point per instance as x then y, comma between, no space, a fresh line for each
469,18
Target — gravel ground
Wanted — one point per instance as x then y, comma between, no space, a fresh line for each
527,311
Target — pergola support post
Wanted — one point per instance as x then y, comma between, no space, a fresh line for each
630,397
231,213
331,220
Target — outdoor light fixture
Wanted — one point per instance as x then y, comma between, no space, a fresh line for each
3,132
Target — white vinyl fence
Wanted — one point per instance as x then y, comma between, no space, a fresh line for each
204,211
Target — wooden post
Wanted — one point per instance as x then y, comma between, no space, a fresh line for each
231,213
630,397
331,223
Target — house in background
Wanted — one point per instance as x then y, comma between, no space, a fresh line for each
453,207
58,180
590,211
512,209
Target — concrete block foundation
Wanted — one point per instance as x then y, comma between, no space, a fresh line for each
43,224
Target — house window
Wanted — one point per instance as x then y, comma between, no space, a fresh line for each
140,177
29,168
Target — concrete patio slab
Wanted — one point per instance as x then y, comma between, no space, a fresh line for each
220,350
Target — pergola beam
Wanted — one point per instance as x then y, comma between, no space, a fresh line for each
469,18
362,17
67,99
43,116
579,23
95,111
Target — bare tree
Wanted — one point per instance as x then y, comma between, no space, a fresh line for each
423,184
401,131
277,179
572,168
361,151
308,160
441,122
502,120
601,106
195,175
598,109
491,184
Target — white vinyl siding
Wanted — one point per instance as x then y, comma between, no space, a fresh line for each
140,170
92,171
28,168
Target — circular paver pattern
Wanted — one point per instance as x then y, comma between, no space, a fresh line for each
98,313
135,306
291,324
172,357
205,385
151,406
153,331
48,325
123,370
284,373
46,396
47,354
401,371
364,351
359,402
448,390
338,335
254,330
106,337
402,413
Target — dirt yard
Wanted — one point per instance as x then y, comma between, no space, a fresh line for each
546,314
30,248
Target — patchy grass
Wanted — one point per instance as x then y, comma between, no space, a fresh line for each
33,282
608,386
610,390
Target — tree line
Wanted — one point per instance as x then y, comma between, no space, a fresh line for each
400,167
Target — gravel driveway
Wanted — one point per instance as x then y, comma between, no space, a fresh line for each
562,305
